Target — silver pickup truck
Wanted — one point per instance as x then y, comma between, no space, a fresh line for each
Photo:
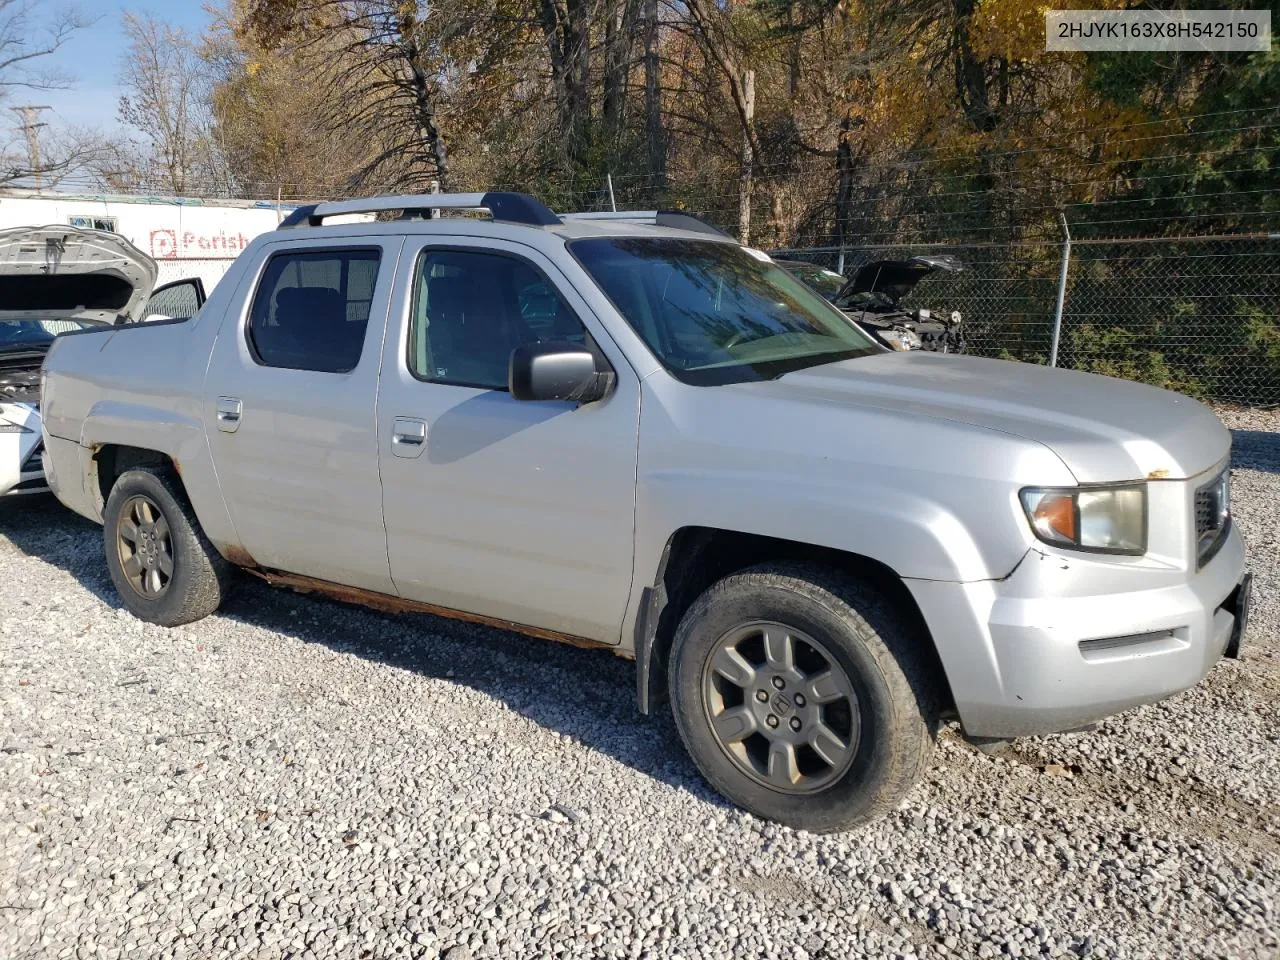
645,437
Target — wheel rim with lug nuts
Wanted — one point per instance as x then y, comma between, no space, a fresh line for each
145,547
781,707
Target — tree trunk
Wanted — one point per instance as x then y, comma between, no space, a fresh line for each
619,41
746,177
578,54
424,106
970,72
793,52
780,236
566,33
844,187
655,137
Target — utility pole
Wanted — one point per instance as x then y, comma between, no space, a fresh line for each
30,124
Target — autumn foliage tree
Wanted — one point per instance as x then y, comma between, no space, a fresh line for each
789,121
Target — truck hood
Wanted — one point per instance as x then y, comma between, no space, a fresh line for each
1103,429
63,273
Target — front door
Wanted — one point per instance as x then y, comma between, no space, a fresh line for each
520,511
288,407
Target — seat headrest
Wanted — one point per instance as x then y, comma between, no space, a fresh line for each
322,303
449,295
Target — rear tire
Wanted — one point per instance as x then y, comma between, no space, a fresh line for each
163,567
744,657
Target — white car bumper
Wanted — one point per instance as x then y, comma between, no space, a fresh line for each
20,446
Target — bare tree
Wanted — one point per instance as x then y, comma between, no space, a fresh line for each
64,154
29,33
166,101
385,58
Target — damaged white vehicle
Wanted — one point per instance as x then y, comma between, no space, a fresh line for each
55,280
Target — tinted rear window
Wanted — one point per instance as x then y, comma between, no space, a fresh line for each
311,309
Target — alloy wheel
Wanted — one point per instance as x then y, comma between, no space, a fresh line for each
781,707
145,547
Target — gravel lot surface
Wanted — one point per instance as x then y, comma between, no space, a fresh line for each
297,778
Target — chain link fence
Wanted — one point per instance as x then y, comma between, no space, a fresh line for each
1200,315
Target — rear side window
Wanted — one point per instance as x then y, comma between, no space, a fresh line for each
311,309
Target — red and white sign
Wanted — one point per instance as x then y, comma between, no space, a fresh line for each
189,245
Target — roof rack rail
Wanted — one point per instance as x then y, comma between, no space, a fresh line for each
509,207
677,219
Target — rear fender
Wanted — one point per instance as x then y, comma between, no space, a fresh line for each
181,438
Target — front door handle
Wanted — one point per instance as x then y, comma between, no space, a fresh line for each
408,436
228,414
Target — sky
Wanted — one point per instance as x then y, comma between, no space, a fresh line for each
91,59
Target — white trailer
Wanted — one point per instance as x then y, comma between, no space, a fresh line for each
186,237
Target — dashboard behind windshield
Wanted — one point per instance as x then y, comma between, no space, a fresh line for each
716,313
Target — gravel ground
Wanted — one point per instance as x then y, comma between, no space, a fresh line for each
297,778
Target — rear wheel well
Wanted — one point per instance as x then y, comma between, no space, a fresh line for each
696,557
114,459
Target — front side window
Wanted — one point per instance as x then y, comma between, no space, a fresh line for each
311,309
178,300
716,313
471,309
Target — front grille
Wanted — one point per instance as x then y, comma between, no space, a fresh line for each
1213,516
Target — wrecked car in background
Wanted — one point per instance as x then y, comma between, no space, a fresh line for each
873,298
55,280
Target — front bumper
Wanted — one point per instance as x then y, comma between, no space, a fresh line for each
1032,654
20,468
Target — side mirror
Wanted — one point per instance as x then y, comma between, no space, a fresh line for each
556,371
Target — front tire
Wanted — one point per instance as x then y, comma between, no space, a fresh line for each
161,564
802,696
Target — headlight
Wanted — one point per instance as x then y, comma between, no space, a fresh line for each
901,339
1103,519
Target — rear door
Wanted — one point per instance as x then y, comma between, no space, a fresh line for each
289,402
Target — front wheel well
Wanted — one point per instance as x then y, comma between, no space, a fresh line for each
696,557
111,460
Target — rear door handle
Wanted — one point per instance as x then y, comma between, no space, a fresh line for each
408,437
228,414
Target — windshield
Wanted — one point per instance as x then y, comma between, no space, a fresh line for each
37,333
715,313
826,282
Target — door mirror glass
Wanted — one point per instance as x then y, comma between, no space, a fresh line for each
556,371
